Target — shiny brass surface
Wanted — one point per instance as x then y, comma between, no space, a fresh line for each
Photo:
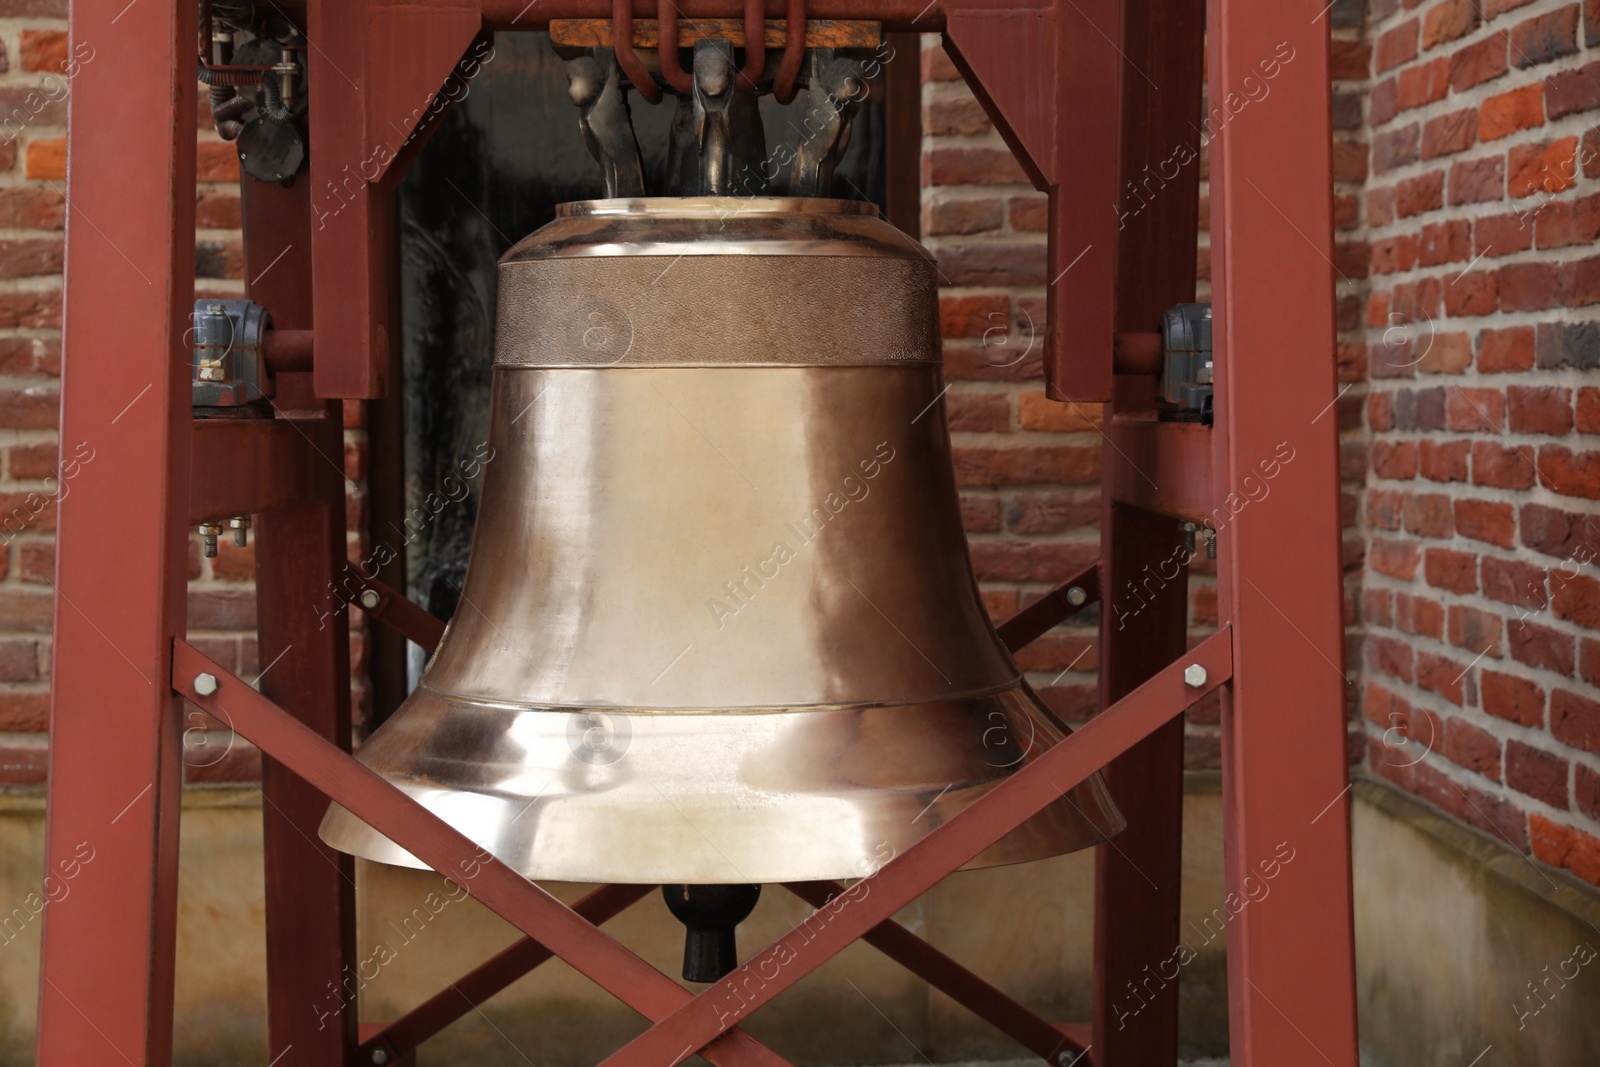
720,624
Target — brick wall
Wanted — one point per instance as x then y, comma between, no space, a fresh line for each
35,85
1481,597
1467,148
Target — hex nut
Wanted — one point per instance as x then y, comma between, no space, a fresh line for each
1077,597
370,598
205,684
1194,675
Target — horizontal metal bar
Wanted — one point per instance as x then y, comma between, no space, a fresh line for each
400,613
878,896
1160,466
288,350
1137,353
338,776
488,978
1052,609
952,979
247,466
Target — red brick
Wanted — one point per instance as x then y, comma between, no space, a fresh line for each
22,257
1563,846
30,357
1424,83
1520,109
1395,148
993,264
1419,615
1377,608
1429,515
1350,161
19,659
1038,513
1503,235
1502,466
1449,21
1446,242
1422,193
1474,630
1468,746
1505,350
1545,37
978,412
1478,63
1494,8
1394,254
1446,568
1542,168
1558,533
1563,223
1515,699
954,116
1575,720
1486,520
1586,791
217,161
44,50
1475,410
32,408
1393,658
1493,813
1533,286
1518,584
1028,464
222,609
937,66
1396,46
973,316
980,514
1572,91
1588,409
1056,651
1478,181
1446,353
1031,214
1540,646
1575,597
217,210
1472,294
1448,134
1394,459
1397,559
1383,102
1038,412
30,207
1444,461
1570,473
38,562
961,215
26,611
1540,409
1539,774
24,712
971,166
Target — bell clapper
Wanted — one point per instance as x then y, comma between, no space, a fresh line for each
711,915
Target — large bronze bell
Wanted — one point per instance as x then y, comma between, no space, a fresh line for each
720,625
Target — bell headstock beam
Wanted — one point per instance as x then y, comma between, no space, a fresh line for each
1019,60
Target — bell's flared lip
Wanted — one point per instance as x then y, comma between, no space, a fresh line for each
700,207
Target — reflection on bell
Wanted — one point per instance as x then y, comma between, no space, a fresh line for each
720,625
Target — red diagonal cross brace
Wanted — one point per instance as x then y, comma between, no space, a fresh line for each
684,1022
589,950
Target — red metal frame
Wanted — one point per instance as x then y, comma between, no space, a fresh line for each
121,662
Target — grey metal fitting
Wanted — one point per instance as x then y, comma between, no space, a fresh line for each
230,365
210,531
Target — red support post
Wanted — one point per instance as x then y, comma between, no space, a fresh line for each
304,657
1285,776
116,757
1145,611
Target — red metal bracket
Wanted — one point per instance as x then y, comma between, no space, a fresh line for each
1051,609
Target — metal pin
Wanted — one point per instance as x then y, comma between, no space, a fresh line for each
210,532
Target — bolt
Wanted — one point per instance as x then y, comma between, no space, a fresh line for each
1211,544
1189,529
1077,597
216,309
370,599
1194,675
209,531
205,684
241,529
380,1056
